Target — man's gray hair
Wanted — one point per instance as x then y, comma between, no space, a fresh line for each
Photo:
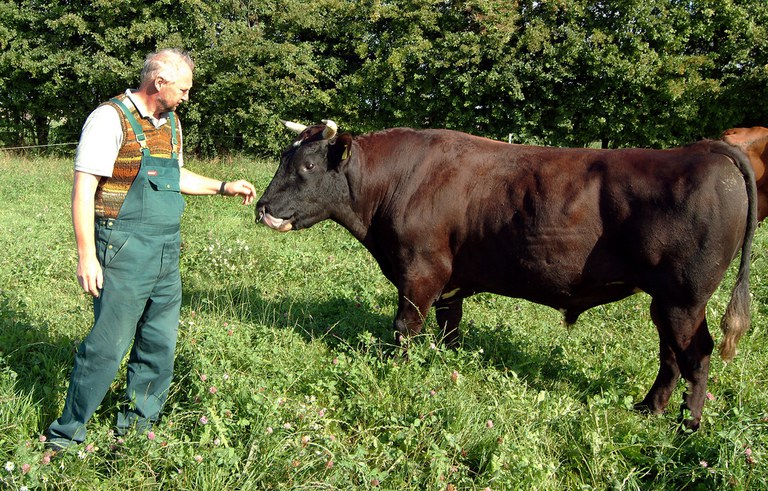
166,63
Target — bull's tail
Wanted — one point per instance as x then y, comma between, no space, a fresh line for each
736,320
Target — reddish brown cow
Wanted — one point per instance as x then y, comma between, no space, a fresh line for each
448,215
754,143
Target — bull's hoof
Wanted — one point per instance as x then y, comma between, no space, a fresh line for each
646,407
642,408
688,419
689,425
452,340
401,340
687,422
402,343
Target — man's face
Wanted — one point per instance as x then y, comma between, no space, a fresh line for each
172,93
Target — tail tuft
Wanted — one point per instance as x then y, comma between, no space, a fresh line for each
736,319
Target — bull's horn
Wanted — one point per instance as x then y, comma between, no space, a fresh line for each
330,129
297,127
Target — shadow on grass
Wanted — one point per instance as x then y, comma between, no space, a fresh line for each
341,322
541,367
34,355
338,321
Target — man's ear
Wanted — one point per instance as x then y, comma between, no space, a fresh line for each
341,149
159,82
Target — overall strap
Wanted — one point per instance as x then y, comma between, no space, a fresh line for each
174,142
135,125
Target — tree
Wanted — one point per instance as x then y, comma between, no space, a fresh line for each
263,63
561,72
61,59
564,72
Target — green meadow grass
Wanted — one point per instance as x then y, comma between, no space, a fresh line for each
286,377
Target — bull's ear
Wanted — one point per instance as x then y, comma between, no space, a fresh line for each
341,149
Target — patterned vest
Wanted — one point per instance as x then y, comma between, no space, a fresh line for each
111,191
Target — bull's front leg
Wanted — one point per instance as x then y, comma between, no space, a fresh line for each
409,318
448,312
419,288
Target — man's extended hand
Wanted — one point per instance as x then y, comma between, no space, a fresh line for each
241,188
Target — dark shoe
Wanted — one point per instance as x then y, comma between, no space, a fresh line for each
57,445
133,423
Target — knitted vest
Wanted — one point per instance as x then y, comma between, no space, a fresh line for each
111,191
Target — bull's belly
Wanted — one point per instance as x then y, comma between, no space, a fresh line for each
554,262
562,293
579,299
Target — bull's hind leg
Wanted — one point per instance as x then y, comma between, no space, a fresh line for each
658,397
685,347
694,366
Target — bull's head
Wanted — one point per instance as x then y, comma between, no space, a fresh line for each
309,184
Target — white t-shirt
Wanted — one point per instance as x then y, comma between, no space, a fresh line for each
102,137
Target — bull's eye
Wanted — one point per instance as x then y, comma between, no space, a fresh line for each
309,166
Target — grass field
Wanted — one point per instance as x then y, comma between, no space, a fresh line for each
285,377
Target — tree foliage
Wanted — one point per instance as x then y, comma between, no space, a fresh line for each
561,72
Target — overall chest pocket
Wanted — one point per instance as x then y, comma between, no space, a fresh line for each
163,202
164,183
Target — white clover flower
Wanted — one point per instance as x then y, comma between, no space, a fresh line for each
10,466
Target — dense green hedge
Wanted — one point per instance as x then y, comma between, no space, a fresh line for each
563,72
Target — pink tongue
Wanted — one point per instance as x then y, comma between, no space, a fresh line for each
276,223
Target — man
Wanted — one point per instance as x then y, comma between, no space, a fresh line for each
126,210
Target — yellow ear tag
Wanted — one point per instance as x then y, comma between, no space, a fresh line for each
347,153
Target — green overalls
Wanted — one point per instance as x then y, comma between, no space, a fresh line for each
139,302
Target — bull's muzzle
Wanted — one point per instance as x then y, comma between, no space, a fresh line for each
279,224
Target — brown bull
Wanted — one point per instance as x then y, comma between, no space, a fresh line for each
754,143
447,215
